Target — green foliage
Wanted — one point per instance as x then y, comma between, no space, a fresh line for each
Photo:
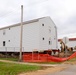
14,69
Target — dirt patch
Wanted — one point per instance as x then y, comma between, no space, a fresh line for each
45,68
71,63
45,71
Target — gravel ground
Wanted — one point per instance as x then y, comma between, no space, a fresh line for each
69,71
59,69
45,71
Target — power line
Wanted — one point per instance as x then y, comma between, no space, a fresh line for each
32,4
28,6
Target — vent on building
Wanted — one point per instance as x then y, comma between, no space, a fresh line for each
42,24
49,42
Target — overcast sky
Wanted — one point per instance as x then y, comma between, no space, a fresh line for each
62,12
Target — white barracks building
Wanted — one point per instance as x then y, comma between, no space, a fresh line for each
71,43
38,34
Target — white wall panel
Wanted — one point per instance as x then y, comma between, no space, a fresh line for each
33,34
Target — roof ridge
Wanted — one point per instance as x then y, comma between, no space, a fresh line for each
25,22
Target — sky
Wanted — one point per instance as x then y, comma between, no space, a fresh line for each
62,12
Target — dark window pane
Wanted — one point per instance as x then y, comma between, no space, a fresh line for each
43,38
42,24
49,42
3,43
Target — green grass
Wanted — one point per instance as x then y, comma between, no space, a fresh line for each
16,59
11,59
14,69
72,60
50,63
54,63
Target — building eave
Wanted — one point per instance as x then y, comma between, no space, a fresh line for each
18,24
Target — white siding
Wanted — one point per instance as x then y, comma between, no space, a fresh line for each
33,34
11,37
43,34
48,36
69,44
72,43
59,45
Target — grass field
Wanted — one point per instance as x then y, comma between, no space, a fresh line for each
49,62
15,69
11,59
72,60
16,59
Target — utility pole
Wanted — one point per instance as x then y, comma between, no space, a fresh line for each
21,34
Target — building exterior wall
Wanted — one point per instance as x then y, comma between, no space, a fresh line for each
49,33
71,43
53,35
31,36
40,35
11,38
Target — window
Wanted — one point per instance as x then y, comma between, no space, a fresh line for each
8,40
49,42
43,38
42,24
3,43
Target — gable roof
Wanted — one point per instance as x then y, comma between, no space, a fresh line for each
26,22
